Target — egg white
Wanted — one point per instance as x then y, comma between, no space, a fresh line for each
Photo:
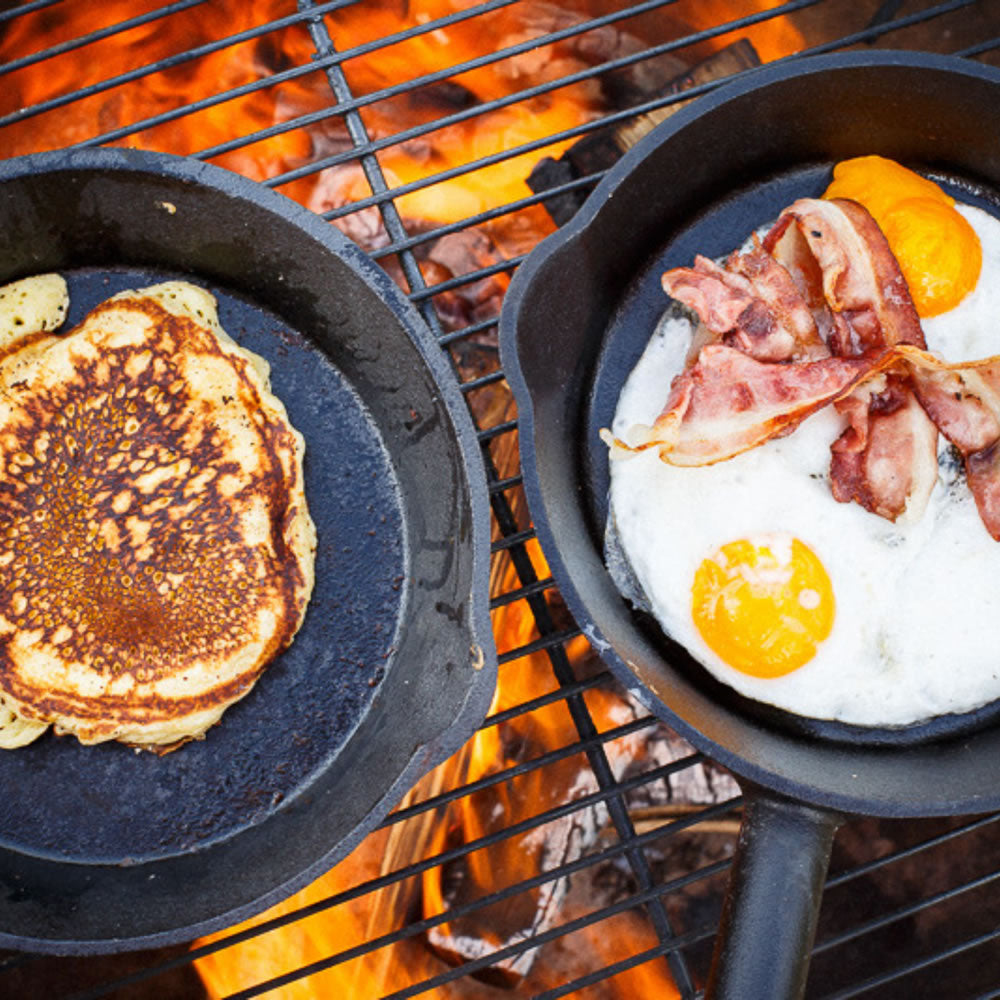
916,632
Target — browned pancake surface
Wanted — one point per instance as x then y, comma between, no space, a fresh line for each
156,548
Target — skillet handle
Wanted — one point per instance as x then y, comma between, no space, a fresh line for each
769,915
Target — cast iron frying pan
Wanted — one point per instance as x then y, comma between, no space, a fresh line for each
577,315
103,848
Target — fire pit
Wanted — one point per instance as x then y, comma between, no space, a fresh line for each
575,846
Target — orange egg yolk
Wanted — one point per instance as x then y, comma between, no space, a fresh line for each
938,251
763,605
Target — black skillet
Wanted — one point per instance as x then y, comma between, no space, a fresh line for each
103,848
576,317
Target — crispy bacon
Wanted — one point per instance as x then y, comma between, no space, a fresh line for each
820,313
752,304
782,303
982,473
788,246
727,403
963,400
886,459
861,283
718,297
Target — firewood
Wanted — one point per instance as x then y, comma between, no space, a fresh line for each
599,150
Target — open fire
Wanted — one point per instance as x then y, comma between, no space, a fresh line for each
499,80
445,159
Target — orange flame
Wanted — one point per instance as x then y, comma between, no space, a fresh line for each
428,151
315,938
253,62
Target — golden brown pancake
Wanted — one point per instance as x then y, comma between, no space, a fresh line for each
156,549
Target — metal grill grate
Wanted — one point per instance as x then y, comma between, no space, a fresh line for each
638,828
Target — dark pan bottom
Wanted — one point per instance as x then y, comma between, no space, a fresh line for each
108,803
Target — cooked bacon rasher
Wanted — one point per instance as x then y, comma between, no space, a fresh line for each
727,403
861,283
886,459
752,304
819,313
963,401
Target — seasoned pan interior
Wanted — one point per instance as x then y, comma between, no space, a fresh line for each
105,849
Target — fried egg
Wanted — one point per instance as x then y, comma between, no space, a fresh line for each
816,607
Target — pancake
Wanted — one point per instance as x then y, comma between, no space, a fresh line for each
155,543
30,309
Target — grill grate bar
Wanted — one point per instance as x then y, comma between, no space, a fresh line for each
512,596
528,944
425,80
866,35
490,433
326,61
444,339
903,912
559,694
671,947
943,838
611,794
980,49
590,180
510,264
908,969
418,868
26,8
564,871
501,509
540,90
488,216
545,643
876,31
511,540
610,971
482,381
525,767
178,59
485,107
502,485
95,36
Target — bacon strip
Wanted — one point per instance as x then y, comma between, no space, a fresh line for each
820,313
963,401
861,282
783,304
727,403
886,459
752,304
